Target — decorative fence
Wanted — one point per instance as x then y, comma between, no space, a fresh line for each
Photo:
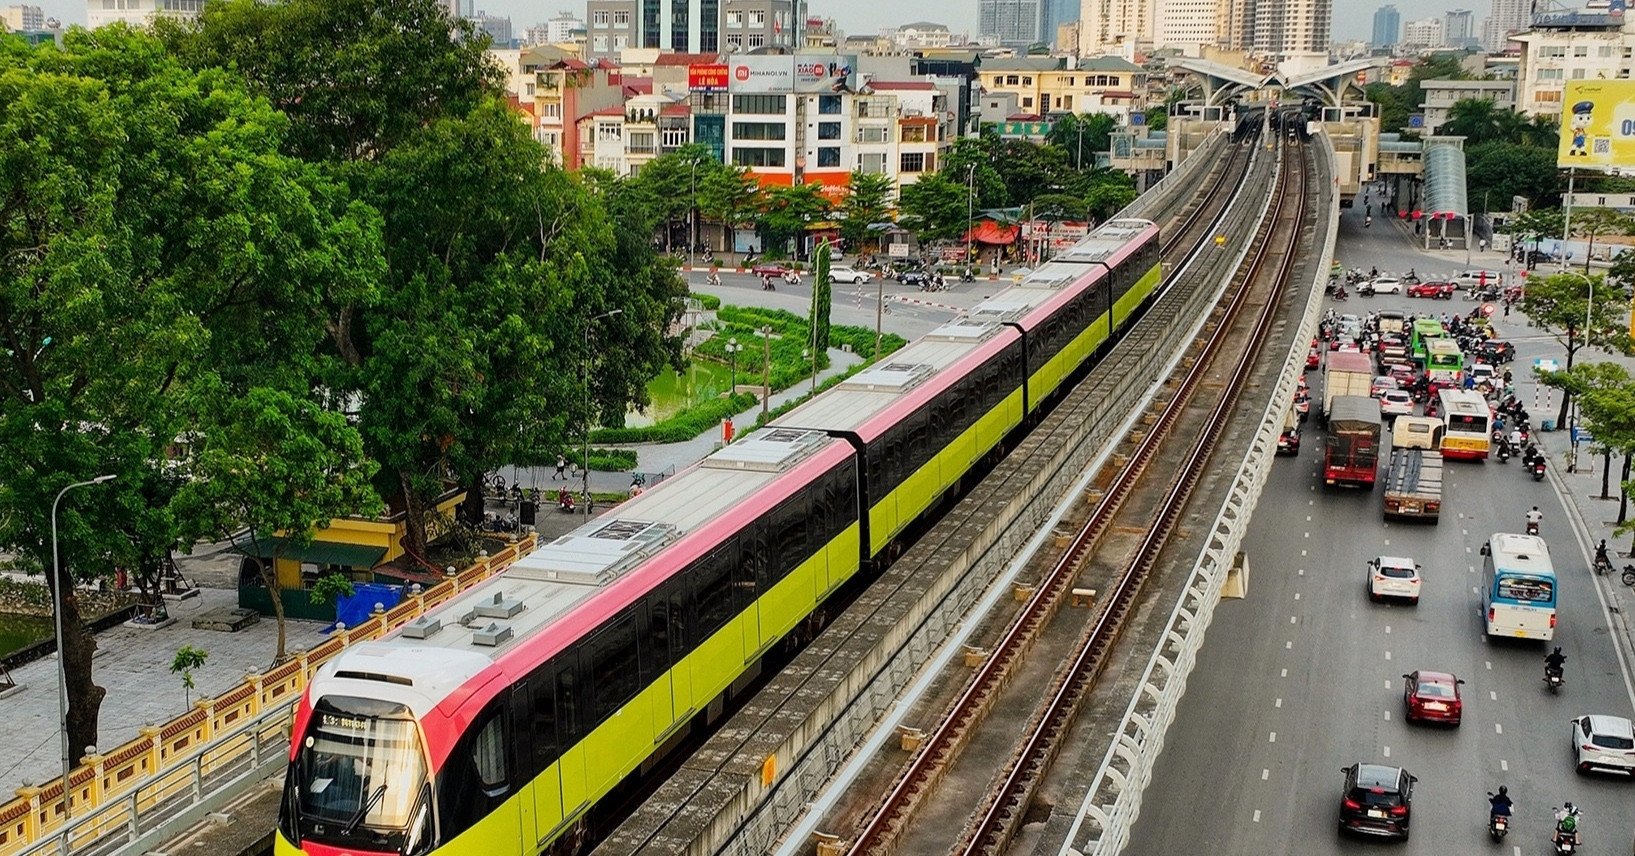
169,772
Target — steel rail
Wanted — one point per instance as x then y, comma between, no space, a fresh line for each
1007,803
941,745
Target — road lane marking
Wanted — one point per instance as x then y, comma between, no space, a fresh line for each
1387,715
1302,552
1257,815
1387,751
1265,774
1497,728
1464,531
1388,684
1301,572
1387,629
1285,673
1297,595
1292,619
1492,695
1288,646
1504,765
1278,703
1308,518
1388,542
1387,655
1308,535
1467,549
1488,664
1273,738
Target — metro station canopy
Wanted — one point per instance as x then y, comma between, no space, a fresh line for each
1328,84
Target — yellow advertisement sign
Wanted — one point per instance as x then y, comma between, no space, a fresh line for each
1597,124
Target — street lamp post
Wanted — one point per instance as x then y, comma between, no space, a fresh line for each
970,208
692,211
732,355
766,370
62,660
584,463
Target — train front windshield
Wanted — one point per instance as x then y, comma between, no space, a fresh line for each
359,779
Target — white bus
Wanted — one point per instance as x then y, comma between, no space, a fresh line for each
1519,587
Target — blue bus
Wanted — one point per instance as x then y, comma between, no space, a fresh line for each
1519,592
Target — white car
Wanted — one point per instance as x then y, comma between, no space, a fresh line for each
1393,576
1604,742
1396,402
846,273
1387,285
1477,277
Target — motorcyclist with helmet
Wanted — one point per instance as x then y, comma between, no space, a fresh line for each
1554,662
1534,518
1567,818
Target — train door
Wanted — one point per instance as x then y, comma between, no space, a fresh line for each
522,759
573,717
539,694
749,582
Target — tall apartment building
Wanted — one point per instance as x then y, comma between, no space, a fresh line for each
456,8
1571,46
20,18
1458,30
138,12
1284,27
1188,25
1387,26
749,25
1010,22
1114,26
610,27
1056,14
1424,33
1507,17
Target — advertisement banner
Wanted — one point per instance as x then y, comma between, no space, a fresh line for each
824,73
1597,124
707,78
762,75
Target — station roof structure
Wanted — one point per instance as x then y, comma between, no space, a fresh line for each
1328,84
1445,192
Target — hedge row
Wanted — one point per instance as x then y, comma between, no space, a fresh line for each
683,426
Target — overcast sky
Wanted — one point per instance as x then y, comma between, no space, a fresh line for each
1353,19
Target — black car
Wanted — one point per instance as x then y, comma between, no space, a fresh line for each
1376,800
1497,351
913,277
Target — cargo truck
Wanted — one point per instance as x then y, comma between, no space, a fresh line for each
1351,450
1347,374
1413,484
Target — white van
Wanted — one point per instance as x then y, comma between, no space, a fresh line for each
1416,432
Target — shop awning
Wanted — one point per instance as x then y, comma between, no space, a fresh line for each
989,232
317,553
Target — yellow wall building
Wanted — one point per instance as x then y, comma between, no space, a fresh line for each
1045,85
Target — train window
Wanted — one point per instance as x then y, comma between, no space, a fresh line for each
755,558
522,736
789,530
614,665
542,721
572,719
473,780
656,656
820,524
711,581
920,447
844,497
488,756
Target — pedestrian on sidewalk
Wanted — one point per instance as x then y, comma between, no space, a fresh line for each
561,467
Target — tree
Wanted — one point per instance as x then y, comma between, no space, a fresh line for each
933,208
1560,304
867,201
1606,405
1480,121
188,660
973,159
1534,224
1622,273
1081,135
822,304
154,242
268,469
669,184
1497,171
356,77
730,197
787,213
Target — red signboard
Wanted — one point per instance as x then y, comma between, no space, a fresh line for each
707,78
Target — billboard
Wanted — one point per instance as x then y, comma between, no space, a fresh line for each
824,73
1597,124
762,74
707,78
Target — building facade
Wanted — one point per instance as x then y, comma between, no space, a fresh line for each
1046,85
138,13
1571,46
22,18
1387,27
1506,18
1010,22
750,25
1283,27
1115,26
497,27
610,28
1055,15
1459,30
1424,33
1441,95
919,35
1190,25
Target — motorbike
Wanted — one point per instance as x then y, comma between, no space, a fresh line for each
1554,679
564,503
713,279
967,276
1537,469
1602,565
1504,451
1532,527
1365,290
1498,825
1339,294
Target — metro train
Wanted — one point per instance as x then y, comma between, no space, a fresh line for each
497,721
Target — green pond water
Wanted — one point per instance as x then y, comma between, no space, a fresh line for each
17,631
675,391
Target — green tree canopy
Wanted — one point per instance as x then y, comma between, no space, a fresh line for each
933,208
868,201
731,197
1496,171
788,211
1081,136
1562,303
157,249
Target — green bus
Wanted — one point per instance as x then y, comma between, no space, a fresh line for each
1423,328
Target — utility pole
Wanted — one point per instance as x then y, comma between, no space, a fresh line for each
879,311
766,370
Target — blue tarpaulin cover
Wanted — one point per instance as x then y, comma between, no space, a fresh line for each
355,610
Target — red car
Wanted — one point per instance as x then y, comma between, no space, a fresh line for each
769,269
1403,373
1313,358
1432,697
1435,290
